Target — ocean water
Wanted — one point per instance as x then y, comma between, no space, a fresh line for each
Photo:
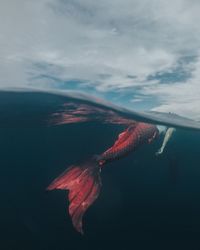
146,202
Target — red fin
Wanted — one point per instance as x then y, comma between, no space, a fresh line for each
83,183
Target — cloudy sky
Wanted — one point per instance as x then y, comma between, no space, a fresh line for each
143,54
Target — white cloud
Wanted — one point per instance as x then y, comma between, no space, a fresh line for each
182,98
109,44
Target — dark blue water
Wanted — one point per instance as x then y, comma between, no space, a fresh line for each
146,202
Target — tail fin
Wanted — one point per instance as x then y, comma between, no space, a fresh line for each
83,183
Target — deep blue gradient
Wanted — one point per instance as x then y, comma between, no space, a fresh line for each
146,202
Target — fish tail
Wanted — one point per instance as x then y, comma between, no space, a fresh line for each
84,184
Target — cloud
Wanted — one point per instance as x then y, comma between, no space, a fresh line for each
180,97
148,47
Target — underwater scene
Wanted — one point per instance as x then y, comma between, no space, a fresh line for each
80,174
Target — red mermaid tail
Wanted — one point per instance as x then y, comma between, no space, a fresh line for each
83,183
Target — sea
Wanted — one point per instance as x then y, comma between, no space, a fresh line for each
146,201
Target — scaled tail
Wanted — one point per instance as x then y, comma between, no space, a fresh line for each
83,183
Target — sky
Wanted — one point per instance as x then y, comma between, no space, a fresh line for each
137,53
